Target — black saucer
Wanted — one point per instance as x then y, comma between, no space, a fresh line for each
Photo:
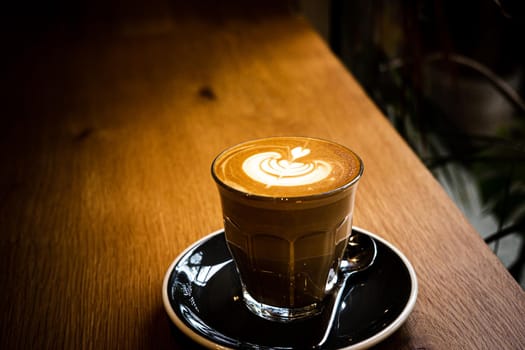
201,294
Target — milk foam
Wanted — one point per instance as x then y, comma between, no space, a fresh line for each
276,169
287,167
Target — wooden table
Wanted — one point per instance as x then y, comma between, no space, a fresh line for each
109,128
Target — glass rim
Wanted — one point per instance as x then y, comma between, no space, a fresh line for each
309,197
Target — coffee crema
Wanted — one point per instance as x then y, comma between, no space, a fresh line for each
287,167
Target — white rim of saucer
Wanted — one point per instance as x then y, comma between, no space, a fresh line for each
364,344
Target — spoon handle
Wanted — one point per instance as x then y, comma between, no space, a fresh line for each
333,307
360,254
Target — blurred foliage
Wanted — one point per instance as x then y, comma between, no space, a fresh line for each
434,68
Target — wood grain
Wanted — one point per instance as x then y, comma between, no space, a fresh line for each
108,132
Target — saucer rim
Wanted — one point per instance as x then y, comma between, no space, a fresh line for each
364,344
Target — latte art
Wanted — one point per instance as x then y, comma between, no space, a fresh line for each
286,167
272,169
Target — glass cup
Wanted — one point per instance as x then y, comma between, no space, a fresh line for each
287,205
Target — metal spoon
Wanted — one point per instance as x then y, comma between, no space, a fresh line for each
359,255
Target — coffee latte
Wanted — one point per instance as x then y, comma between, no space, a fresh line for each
287,205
